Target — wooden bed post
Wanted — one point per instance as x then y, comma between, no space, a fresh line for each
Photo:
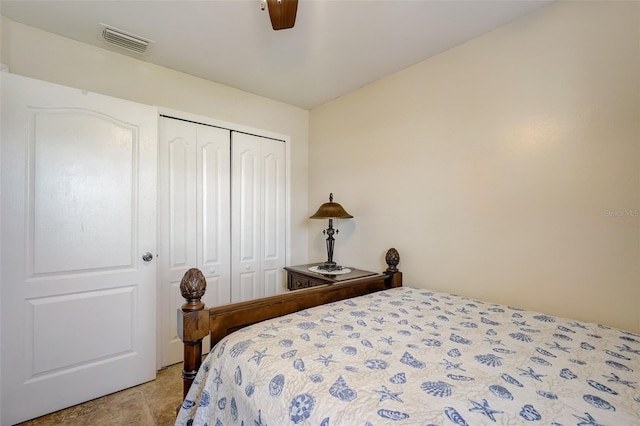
395,277
193,325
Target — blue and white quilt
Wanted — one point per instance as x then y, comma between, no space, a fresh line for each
416,357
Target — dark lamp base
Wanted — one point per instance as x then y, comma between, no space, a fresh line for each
329,267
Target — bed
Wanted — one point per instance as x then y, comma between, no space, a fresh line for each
375,352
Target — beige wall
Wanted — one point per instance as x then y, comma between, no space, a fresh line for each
498,168
38,54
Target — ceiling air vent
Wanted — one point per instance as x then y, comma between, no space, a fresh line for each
125,40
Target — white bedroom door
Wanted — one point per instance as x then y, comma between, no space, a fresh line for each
79,178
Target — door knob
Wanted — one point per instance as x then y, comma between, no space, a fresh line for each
147,257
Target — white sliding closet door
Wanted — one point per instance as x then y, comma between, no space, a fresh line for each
258,216
194,220
222,210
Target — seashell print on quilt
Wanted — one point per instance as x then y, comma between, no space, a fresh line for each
439,388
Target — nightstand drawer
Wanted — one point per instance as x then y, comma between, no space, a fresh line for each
313,283
297,282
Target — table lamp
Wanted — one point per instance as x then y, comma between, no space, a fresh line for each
330,211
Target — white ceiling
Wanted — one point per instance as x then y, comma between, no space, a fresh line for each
335,47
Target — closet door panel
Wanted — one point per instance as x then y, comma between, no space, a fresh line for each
181,197
258,192
272,281
246,217
248,197
248,287
274,215
213,213
195,220
177,249
178,189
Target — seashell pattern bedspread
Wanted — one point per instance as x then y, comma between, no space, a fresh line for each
416,357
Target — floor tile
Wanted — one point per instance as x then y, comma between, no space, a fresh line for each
150,404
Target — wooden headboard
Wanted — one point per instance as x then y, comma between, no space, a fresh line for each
195,322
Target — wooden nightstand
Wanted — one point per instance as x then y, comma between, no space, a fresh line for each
300,277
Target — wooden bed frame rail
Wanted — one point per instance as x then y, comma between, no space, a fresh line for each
195,322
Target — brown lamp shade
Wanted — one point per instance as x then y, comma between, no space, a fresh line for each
331,210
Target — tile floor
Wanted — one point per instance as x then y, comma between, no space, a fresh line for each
150,404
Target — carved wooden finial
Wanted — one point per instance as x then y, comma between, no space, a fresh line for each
392,258
192,287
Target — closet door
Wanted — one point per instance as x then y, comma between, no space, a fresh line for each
194,220
258,213
213,221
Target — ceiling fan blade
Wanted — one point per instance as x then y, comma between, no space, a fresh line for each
282,13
